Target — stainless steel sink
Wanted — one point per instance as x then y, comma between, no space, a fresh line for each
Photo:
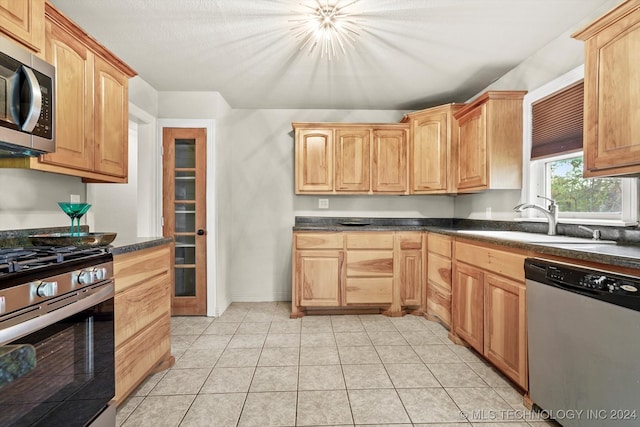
522,236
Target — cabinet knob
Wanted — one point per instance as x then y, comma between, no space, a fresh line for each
201,232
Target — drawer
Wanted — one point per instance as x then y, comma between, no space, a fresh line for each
439,271
379,240
369,290
505,263
409,240
136,267
439,303
439,244
369,263
141,305
138,356
319,240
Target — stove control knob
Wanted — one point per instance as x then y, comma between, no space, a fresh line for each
100,273
47,289
85,277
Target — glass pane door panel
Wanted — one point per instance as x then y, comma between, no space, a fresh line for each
185,184
185,222
185,282
185,255
185,153
185,241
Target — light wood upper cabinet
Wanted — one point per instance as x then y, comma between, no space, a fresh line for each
389,165
314,160
91,98
612,92
23,22
432,145
339,158
353,159
489,154
74,95
111,125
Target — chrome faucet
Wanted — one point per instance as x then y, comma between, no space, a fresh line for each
551,213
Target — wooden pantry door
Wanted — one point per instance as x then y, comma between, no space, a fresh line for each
184,216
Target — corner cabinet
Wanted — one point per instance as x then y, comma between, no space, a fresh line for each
368,271
91,115
23,22
612,93
489,306
489,142
339,158
143,283
432,149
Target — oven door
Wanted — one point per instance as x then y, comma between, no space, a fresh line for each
72,380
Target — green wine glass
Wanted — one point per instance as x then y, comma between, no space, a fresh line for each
74,210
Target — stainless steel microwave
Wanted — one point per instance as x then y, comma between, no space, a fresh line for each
27,105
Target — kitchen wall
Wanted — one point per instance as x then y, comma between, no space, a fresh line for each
263,204
29,199
558,57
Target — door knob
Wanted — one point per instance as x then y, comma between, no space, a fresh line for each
201,232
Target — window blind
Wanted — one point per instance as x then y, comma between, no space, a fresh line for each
557,124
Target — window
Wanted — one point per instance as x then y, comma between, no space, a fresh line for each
555,160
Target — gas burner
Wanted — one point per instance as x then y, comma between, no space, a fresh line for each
20,259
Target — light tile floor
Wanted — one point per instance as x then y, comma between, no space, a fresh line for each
253,366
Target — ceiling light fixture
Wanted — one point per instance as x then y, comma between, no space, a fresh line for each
327,27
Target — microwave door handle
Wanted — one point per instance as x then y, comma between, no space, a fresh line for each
35,103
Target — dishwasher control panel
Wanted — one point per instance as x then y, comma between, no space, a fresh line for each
608,286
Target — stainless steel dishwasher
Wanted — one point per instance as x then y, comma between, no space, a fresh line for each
584,344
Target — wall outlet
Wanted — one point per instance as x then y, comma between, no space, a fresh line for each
487,213
74,198
323,203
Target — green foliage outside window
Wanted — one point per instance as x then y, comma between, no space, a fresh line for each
577,194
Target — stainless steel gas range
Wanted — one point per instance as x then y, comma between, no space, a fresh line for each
56,337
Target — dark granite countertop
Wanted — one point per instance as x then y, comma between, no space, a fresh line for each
124,244
625,253
121,245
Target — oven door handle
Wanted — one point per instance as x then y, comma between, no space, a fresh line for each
32,325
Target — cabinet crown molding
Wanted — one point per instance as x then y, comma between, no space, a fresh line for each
617,13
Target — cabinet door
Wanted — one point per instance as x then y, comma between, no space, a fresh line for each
472,150
612,99
74,100
389,164
111,119
411,279
429,158
505,333
468,305
353,159
314,161
23,21
319,278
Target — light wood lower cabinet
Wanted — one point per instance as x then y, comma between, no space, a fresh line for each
438,306
142,316
349,271
488,304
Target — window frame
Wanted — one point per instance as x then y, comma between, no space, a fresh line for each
534,182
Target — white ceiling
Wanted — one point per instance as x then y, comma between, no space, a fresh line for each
410,53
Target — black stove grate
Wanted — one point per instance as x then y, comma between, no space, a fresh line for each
17,259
